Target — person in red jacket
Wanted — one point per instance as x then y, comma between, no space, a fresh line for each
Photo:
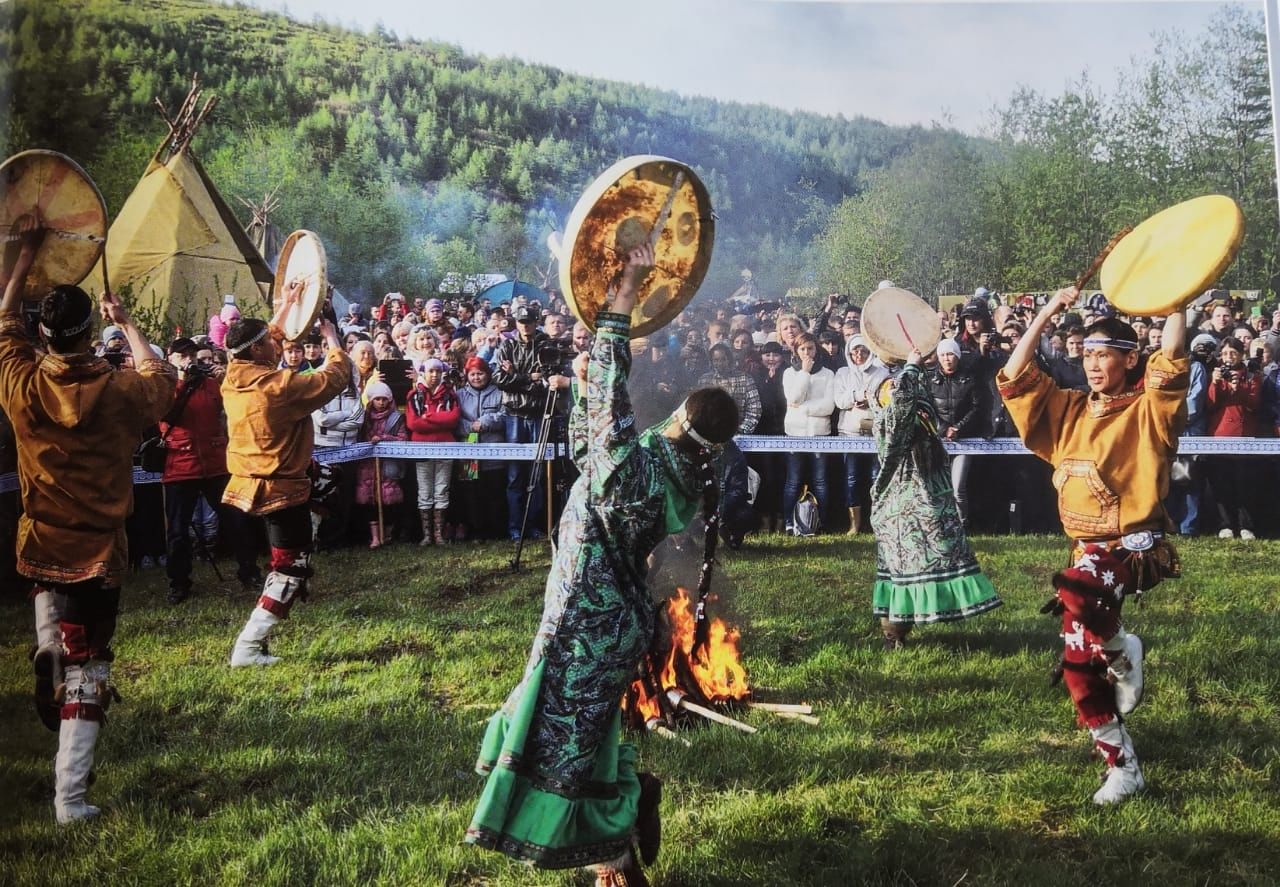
432,416
195,465
1233,399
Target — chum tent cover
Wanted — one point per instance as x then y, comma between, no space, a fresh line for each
178,247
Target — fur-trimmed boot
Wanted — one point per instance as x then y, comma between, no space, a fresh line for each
1124,668
86,696
438,527
46,660
428,518
855,520
1124,776
251,645
895,634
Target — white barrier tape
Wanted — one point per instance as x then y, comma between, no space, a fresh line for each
755,443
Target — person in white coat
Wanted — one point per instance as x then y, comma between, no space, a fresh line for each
809,389
855,388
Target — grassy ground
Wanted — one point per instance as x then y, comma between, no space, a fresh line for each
950,762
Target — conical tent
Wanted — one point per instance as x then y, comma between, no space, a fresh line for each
176,244
264,235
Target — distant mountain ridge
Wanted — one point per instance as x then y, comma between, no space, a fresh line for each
374,118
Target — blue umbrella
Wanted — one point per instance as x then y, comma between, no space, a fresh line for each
509,289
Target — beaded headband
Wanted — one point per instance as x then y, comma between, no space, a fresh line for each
239,349
1103,342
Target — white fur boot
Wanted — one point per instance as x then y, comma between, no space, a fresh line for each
1125,669
77,737
251,645
47,659
1124,776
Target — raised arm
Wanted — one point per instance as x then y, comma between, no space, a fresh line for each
1062,300
1174,341
289,297
31,233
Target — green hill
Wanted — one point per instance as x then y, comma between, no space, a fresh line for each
412,158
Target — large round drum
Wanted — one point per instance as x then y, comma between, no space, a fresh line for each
1173,256
302,256
895,320
63,199
641,199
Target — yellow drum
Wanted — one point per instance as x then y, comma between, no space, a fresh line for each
1173,256
642,199
63,199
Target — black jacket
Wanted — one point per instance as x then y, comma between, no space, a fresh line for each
773,402
958,398
521,395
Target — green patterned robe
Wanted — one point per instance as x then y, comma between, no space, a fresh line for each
925,569
561,789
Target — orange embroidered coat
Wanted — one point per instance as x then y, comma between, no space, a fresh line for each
269,429
77,423
1110,454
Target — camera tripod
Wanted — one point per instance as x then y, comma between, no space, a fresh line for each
540,458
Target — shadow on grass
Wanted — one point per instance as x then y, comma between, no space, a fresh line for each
844,851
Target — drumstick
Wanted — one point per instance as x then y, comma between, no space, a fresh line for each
106,283
1101,257
665,213
902,326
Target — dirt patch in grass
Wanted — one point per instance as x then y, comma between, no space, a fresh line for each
382,652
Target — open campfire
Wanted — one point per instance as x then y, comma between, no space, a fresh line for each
677,685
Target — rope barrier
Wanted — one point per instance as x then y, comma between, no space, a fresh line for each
754,443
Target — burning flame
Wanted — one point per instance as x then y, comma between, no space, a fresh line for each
719,674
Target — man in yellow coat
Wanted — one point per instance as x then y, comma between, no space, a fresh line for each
78,422
269,454
1110,448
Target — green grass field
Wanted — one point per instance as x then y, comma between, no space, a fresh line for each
950,762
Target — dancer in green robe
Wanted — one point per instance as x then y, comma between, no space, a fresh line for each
925,569
562,789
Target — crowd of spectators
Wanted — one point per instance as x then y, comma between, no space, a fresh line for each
473,371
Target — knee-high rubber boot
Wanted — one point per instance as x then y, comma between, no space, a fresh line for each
46,661
77,735
428,517
1124,776
251,645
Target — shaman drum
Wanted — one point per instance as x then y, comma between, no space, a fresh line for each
895,320
640,199
302,256
63,199
1173,256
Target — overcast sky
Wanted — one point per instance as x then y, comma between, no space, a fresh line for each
900,62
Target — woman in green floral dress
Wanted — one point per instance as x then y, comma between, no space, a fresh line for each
925,569
562,789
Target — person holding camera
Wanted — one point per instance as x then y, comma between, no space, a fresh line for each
195,465
1234,397
77,423
528,383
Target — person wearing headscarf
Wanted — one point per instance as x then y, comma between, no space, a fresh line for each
77,422
926,571
432,416
855,389
562,790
